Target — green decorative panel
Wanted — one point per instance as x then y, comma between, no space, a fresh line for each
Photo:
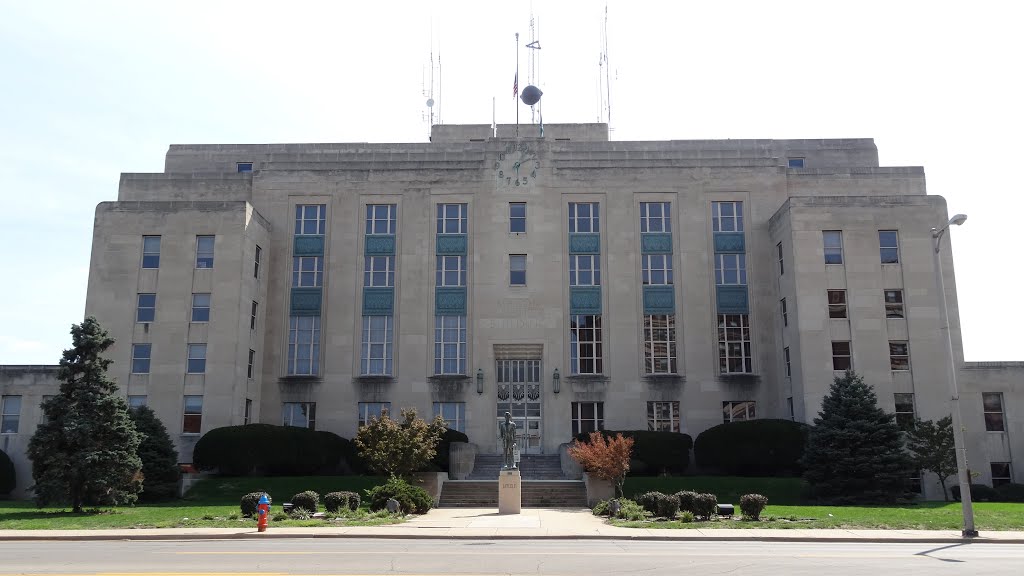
306,301
732,300
378,301
585,300
656,243
380,245
450,301
588,243
451,244
659,300
730,242
308,246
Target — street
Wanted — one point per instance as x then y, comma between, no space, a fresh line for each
490,557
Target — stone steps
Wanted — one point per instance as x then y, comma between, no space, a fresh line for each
536,494
531,467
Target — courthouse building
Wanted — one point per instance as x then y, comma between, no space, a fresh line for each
576,282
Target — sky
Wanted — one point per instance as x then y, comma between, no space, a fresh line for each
89,90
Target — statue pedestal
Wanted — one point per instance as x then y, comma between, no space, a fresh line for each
510,492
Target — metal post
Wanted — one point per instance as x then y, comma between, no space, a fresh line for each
958,431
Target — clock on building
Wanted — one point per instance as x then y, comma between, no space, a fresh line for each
517,166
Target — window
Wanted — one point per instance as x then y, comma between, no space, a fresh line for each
655,217
136,400
145,308
449,345
304,346
150,251
727,216
197,358
659,344
10,414
587,417
785,358
736,411
252,363
782,267
451,218
451,271
833,240
307,271
247,412
584,270
379,271
841,359
837,303
252,315
914,484
256,264
244,166
301,414
204,251
380,218
792,413
454,414
377,356
141,355
734,355
657,269
905,411
899,355
993,405
517,269
517,217
730,269
1001,474
663,416
585,344
368,410
894,303
796,163
310,219
889,246
192,422
200,307
584,217
785,314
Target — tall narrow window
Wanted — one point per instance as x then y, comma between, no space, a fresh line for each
307,271
785,313
659,344
663,416
451,218
377,356
304,346
517,217
587,417
837,303
584,217
585,351
782,267
889,246
737,411
734,353
150,251
381,219
450,345
517,269
792,412
655,217
584,270
252,363
454,414
899,355
145,309
993,405
656,269
197,358
730,269
192,421
370,410
247,411
252,315
300,414
10,414
204,251
785,358
451,271
894,303
310,219
201,307
1001,473
141,356
833,240
379,271
256,264
727,216
841,357
906,413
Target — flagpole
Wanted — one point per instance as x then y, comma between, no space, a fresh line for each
516,96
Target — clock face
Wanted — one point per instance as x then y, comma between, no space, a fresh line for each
517,166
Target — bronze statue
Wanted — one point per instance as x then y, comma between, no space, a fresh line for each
507,431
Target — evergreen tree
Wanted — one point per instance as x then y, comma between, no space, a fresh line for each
87,451
932,449
855,450
159,458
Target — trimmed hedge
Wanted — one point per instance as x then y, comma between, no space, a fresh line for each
752,448
687,500
705,505
979,493
8,477
752,505
441,459
308,501
412,499
1010,493
656,452
273,450
337,501
659,505
251,502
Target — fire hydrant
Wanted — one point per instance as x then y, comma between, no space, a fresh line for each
263,510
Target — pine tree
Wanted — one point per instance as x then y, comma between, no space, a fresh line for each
932,449
87,451
159,458
855,450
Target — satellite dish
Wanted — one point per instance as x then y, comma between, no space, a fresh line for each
531,95
430,102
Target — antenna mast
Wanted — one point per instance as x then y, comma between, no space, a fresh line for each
533,63
428,88
604,87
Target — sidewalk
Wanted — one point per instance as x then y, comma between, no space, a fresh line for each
533,523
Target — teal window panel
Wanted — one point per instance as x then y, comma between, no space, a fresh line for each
656,243
659,299
306,301
585,300
732,300
380,245
584,243
450,301
378,301
730,242
308,246
452,244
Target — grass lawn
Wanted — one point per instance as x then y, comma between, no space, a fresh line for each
727,488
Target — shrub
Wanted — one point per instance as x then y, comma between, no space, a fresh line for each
687,500
441,459
602,508
269,449
659,505
308,500
630,510
1010,493
686,517
752,505
705,505
251,501
8,477
752,447
412,499
979,493
604,457
659,452
300,514
399,447
339,501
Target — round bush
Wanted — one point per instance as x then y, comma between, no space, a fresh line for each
339,501
979,493
752,505
1010,493
250,502
687,499
705,505
8,477
654,453
752,447
273,450
659,505
308,500
441,459
412,499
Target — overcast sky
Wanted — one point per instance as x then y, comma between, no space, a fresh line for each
92,89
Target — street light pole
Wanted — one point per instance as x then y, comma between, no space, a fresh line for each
958,431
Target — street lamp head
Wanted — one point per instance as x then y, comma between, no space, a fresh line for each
958,219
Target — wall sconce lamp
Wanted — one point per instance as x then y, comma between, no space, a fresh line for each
479,381
556,381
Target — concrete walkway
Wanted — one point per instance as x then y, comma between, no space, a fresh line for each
533,523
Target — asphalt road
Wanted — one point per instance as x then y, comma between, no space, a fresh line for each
466,557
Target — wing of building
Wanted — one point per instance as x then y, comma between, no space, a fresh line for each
576,282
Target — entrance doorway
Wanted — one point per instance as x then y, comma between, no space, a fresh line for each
519,393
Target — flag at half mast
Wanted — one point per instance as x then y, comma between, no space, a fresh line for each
515,87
